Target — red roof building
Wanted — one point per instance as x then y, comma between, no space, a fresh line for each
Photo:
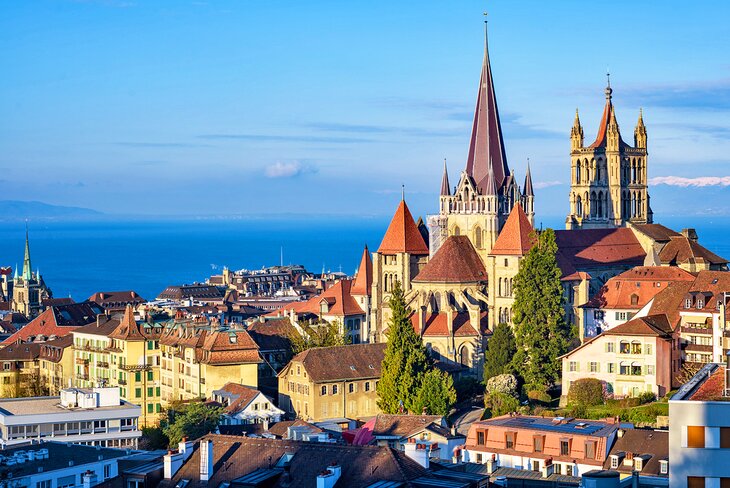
403,235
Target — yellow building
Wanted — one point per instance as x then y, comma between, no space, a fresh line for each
57,363
20,373
332,383
121,352
198,357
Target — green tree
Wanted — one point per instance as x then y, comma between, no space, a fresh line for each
405,360
191,420
586,392
500,403
436,395
500,351
541,332
322,334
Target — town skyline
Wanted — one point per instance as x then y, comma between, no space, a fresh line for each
157,120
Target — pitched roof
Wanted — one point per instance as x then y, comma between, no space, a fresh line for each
402,425
436,324
680,250
102,326
235,457
240,396
128,329
712,386
586,248
57,320
651,325
364,280
402,234
116,299
272,334
228,347
608,117
21,352
281,429
486,145
657,232
340,302
652,445
515,237
456,261
445,187
351,362
669,300
634,288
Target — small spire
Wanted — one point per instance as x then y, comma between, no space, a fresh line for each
576,122
27,269
609,91
445,192
491,186
527,189
403,192
641,117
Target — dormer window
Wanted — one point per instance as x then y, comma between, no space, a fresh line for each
638,463
688,303
663,466
700,303
614,461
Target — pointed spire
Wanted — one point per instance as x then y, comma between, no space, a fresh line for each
490,188
27,270
445,189
608,121
527,189
486,146
576,121
364,279
403,235
640,123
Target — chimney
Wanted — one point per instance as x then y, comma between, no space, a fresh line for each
89,479
172,462
206,459
690,234
329,477
620,433
548,469
418,453
492,465
266,424
185,447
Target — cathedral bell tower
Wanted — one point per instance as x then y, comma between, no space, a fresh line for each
608,186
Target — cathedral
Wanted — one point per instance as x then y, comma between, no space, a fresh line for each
29,290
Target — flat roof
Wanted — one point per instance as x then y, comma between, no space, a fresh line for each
566,426
50,405
59,456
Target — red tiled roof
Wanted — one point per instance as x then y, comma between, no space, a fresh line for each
242,396
669,300
228,347
57,320
608,114
681,249
436,324
128,329
634,288
456,261
712,388
402,425
338,297
403,234
364,280
516,237
586,248
657,232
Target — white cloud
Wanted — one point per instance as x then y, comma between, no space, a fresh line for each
286,170
546,184
690,182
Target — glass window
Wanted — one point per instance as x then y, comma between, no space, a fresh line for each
509,440
480,437
334,389
590,450
695,437
367,386
150,375
565,448
138,392
138,376
324,390
695,482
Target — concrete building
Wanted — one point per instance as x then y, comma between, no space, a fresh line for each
335,384
558,445
95,416
699,431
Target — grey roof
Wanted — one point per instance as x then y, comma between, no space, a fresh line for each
567,426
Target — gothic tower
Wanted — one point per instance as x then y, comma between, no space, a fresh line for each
609,177
487,190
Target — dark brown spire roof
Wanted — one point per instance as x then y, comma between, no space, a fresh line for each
456,261
608,117
527,189
445,188
402,234
486,147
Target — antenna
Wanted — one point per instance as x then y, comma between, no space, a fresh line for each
402,192
281,258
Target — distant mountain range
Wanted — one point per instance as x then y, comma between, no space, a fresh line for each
13,210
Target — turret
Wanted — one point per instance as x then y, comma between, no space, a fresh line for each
576,133
27,270
528,197
640,132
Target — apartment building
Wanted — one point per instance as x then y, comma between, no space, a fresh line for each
57,363
244,405
699,430
121,352
632,358
201,356
624,295
548,445
332,383
95,416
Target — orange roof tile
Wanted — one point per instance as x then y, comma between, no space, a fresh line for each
403,234
436,324
516,238
364,279
339,300
599,247
456,261
651,325
57,320
681,249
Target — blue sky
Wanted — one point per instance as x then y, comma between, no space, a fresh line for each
327,107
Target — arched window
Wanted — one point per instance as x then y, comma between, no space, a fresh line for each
577,171
599,211
593,204
457,231
510,287
478,237
464,356
499,289
578,206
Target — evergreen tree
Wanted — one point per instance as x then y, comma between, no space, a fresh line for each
405,359
500,351
436,394
541,332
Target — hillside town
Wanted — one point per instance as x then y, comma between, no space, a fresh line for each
471,348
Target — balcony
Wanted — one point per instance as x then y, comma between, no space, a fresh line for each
122,382
81,376
102,364
698,348
134,367
706,330
82,361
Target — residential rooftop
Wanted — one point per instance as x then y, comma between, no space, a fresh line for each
51,456
49,405
560,425
708,384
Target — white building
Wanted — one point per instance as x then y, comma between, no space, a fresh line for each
699,431
94,416
244,405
